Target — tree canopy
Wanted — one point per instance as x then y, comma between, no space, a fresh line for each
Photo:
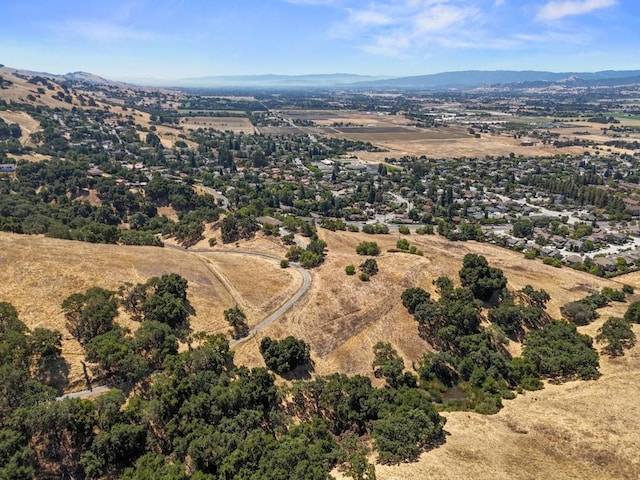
483,280
282,356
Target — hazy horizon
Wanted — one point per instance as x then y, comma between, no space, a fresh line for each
176,39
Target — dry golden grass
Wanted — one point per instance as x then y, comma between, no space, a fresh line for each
496,145
30,157
38,273
575,430
27,123
20,91
342,317
570,431
234,124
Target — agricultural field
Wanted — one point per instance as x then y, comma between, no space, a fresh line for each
233,124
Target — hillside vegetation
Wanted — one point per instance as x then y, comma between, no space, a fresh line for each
244,317
346,350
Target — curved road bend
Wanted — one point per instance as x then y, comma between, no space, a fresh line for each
306,283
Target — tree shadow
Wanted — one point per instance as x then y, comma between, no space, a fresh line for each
301,372
55,374
190,308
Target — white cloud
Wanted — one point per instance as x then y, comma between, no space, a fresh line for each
441,17
406,28
369,17
393,27
557,9
102,31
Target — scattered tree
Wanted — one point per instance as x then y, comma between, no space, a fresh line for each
618,336
368,248
238,320
282,356
369,266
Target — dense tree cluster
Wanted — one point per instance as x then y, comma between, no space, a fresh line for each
90,314
161,299
483,280
9,130
237,226
310,256
583,312
559,351
283,356
473,359
31,370
49,198
617,334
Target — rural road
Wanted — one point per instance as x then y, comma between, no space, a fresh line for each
306,283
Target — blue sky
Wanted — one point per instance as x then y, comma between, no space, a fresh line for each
170,39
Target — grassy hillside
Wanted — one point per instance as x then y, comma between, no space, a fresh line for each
574,430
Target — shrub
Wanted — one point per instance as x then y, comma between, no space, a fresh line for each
628,289
350,270
282,356
309,259
284,263
632,314
554,262
368,248
613,295
426,230
376,229
370,266
364,276
402,244
579,313
404,230
617,334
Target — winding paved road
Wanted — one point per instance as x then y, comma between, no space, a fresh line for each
306,283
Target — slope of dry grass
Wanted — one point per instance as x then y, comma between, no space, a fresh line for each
38,273
575,430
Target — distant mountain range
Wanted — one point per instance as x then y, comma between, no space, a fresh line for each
324,80
529,78
463,80
459,80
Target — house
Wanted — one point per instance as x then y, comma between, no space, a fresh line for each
269,221
572,259
549,252
609,264
95,172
